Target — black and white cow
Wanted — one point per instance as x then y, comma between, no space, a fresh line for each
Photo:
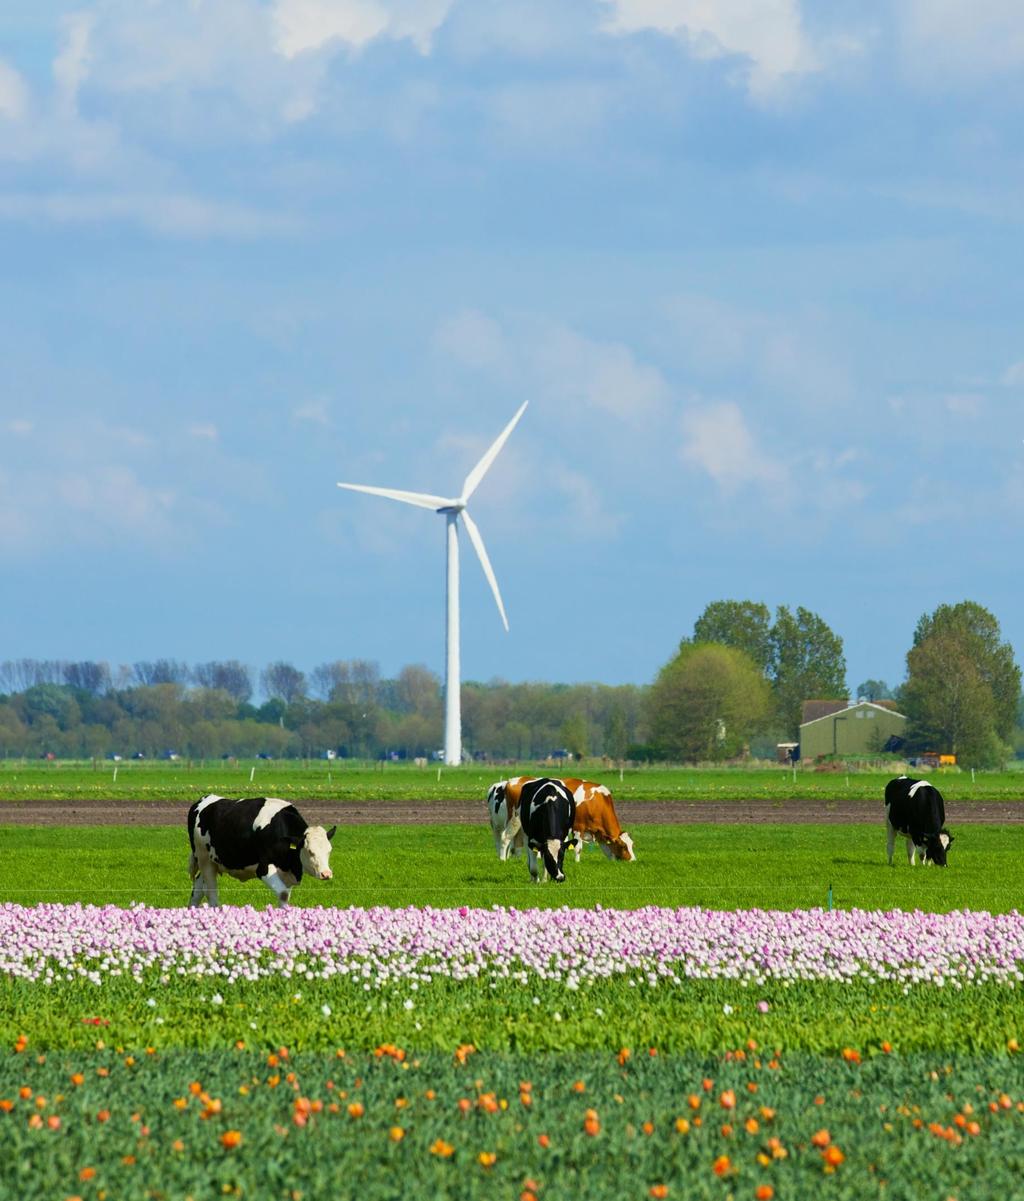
546,812
914,809
255,838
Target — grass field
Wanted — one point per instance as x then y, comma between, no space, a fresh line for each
717,867
163,1084
357,780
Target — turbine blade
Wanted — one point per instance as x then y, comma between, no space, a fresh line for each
480,470
485,563
423,500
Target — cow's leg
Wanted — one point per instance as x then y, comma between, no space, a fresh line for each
204,881
509,835
606,847
911,853
531,863
890,838
209,877
271,877
197,884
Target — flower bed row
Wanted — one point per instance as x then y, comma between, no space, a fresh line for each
416,946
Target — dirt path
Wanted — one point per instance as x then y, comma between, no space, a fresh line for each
631,813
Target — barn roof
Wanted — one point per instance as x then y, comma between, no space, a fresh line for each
846,707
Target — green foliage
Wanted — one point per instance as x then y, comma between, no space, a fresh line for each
706,703
963,685
807,663
743,625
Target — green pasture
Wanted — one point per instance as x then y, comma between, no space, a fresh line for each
714,866
350,780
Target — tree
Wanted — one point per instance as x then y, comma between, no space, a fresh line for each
963,685
874,690
807,661
283,681
573,735
706,703
418,691
161,671
977,631
230,676
745,625
93,678
947,701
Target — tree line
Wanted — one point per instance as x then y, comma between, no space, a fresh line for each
734,687
86,710
742,677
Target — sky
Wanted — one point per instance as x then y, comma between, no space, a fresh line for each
755,265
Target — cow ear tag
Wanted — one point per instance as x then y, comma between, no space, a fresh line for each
293,846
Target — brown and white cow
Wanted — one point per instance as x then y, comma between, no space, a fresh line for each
595,820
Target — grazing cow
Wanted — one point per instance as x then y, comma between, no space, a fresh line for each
257,837
546,813
596,820
914,809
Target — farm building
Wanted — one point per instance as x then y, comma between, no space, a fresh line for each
839,728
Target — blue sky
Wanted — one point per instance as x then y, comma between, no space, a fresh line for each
756,265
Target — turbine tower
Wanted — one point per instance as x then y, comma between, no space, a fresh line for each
451,508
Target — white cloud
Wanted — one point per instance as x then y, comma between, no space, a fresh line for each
795,355
302,26
203,431
13,93
1013,376
768,33
71,66
472,339
964,404
20,426
947,39
716,439
600,376
165,213
315,412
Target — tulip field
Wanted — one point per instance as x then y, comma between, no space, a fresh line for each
611,1038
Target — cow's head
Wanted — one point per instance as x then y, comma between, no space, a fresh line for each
936,846
315,852
622,847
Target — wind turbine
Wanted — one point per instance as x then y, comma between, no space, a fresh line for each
451,508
